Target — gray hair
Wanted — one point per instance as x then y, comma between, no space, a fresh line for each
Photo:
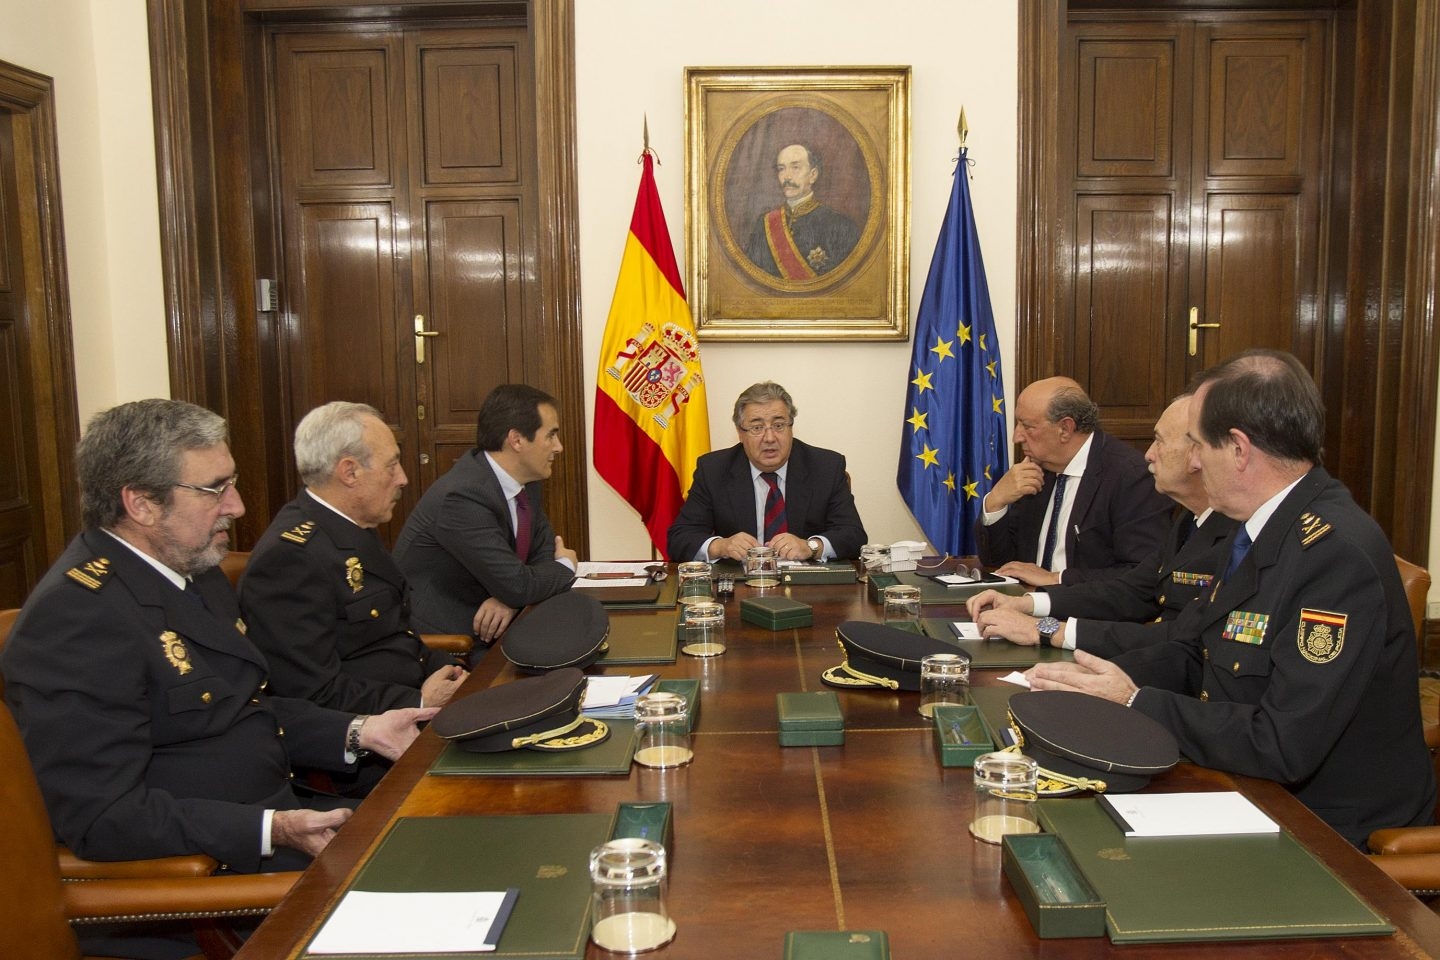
765,391
329,434
1075,404
139,445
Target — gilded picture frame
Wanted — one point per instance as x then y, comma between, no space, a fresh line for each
797,213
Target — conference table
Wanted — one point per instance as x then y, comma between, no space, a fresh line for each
767,839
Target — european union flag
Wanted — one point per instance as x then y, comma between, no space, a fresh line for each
954,446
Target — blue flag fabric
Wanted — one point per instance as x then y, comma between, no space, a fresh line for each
954,446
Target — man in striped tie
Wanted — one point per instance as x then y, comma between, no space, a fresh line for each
768,489
1299,666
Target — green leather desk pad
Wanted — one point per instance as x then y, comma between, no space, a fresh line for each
833,571
932,590
551,920
837,945
641,636
994,706
993,654
610,758
1172,889
636,598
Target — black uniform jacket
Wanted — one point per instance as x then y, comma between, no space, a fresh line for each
329,608
458,550
1302,668
145,715
1117,521
1137,608
721,501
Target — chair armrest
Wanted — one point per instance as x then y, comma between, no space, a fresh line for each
1432,735
1417,872
1405,840
448,642
192,865
225,896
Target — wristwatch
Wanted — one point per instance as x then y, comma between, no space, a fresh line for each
352,737
816,546
1047,627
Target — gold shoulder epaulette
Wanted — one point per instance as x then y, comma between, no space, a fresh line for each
300,534
1311,528
91,573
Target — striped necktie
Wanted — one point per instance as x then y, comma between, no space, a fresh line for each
774,509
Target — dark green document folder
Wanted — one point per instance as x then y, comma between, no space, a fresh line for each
611,758
545,856
994,654
641,636
1171,889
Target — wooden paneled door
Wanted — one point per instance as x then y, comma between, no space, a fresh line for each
406,205
37,383
1193,160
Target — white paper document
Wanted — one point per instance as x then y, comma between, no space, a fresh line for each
960,580
1017,678
1186,814
625,573
613,698
966,630
367,922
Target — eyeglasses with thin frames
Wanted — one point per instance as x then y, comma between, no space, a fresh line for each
779,427
216,492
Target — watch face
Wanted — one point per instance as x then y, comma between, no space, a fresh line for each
1047,627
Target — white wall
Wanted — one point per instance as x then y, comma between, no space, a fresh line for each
630,62
108,193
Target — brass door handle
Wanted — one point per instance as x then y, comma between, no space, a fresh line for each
1195,327
421,333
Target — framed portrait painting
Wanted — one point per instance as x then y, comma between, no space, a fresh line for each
797,210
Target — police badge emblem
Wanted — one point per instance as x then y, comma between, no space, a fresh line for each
354,574
1321,635
175,652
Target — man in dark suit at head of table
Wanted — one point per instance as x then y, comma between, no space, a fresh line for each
1079,506
1299,665
478,546
768,489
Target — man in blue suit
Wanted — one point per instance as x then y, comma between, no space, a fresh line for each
768,489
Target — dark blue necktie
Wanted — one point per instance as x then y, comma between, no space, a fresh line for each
1054,530
1238,548
774,509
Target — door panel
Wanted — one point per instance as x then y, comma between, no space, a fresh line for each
1138,140
1257,95
470,132
338,126
1252,245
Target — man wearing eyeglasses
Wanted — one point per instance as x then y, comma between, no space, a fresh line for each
768,489
143,704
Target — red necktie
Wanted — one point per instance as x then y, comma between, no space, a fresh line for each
774,509
522,525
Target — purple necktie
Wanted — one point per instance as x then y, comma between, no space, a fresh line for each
774,509
522,525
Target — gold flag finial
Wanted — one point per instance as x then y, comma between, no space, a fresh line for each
645,128
962,128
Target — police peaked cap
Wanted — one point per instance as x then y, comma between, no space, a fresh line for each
1093,739
534,713
567,630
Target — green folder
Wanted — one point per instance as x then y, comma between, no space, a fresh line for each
833,572
545,856
611,758
1173,889
994,654
658,596
641,636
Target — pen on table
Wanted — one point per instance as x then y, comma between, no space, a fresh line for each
959,734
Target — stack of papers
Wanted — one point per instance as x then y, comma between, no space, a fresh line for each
593,573
613,698
385,923
1186,814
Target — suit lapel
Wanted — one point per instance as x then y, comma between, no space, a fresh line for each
797,490
741,492
351,538
1084,497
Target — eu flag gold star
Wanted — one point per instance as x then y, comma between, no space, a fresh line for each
964,334
922,380
987,471
994,403
929,455
971,490
942,348
991,367
949,481
982,343
917,420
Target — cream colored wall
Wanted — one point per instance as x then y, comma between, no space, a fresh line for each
630,62
108,193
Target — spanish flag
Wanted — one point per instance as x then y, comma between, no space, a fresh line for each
651,422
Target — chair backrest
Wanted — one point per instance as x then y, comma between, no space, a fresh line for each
1417,590
234,565
35,924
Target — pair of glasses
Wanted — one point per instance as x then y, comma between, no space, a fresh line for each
758,429
216,492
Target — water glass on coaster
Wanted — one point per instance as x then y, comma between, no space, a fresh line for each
695,583
902,606
762,567
627,896
874,558
1004,796
663,722
944,678
704,630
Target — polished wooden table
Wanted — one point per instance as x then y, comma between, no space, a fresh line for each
871,834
